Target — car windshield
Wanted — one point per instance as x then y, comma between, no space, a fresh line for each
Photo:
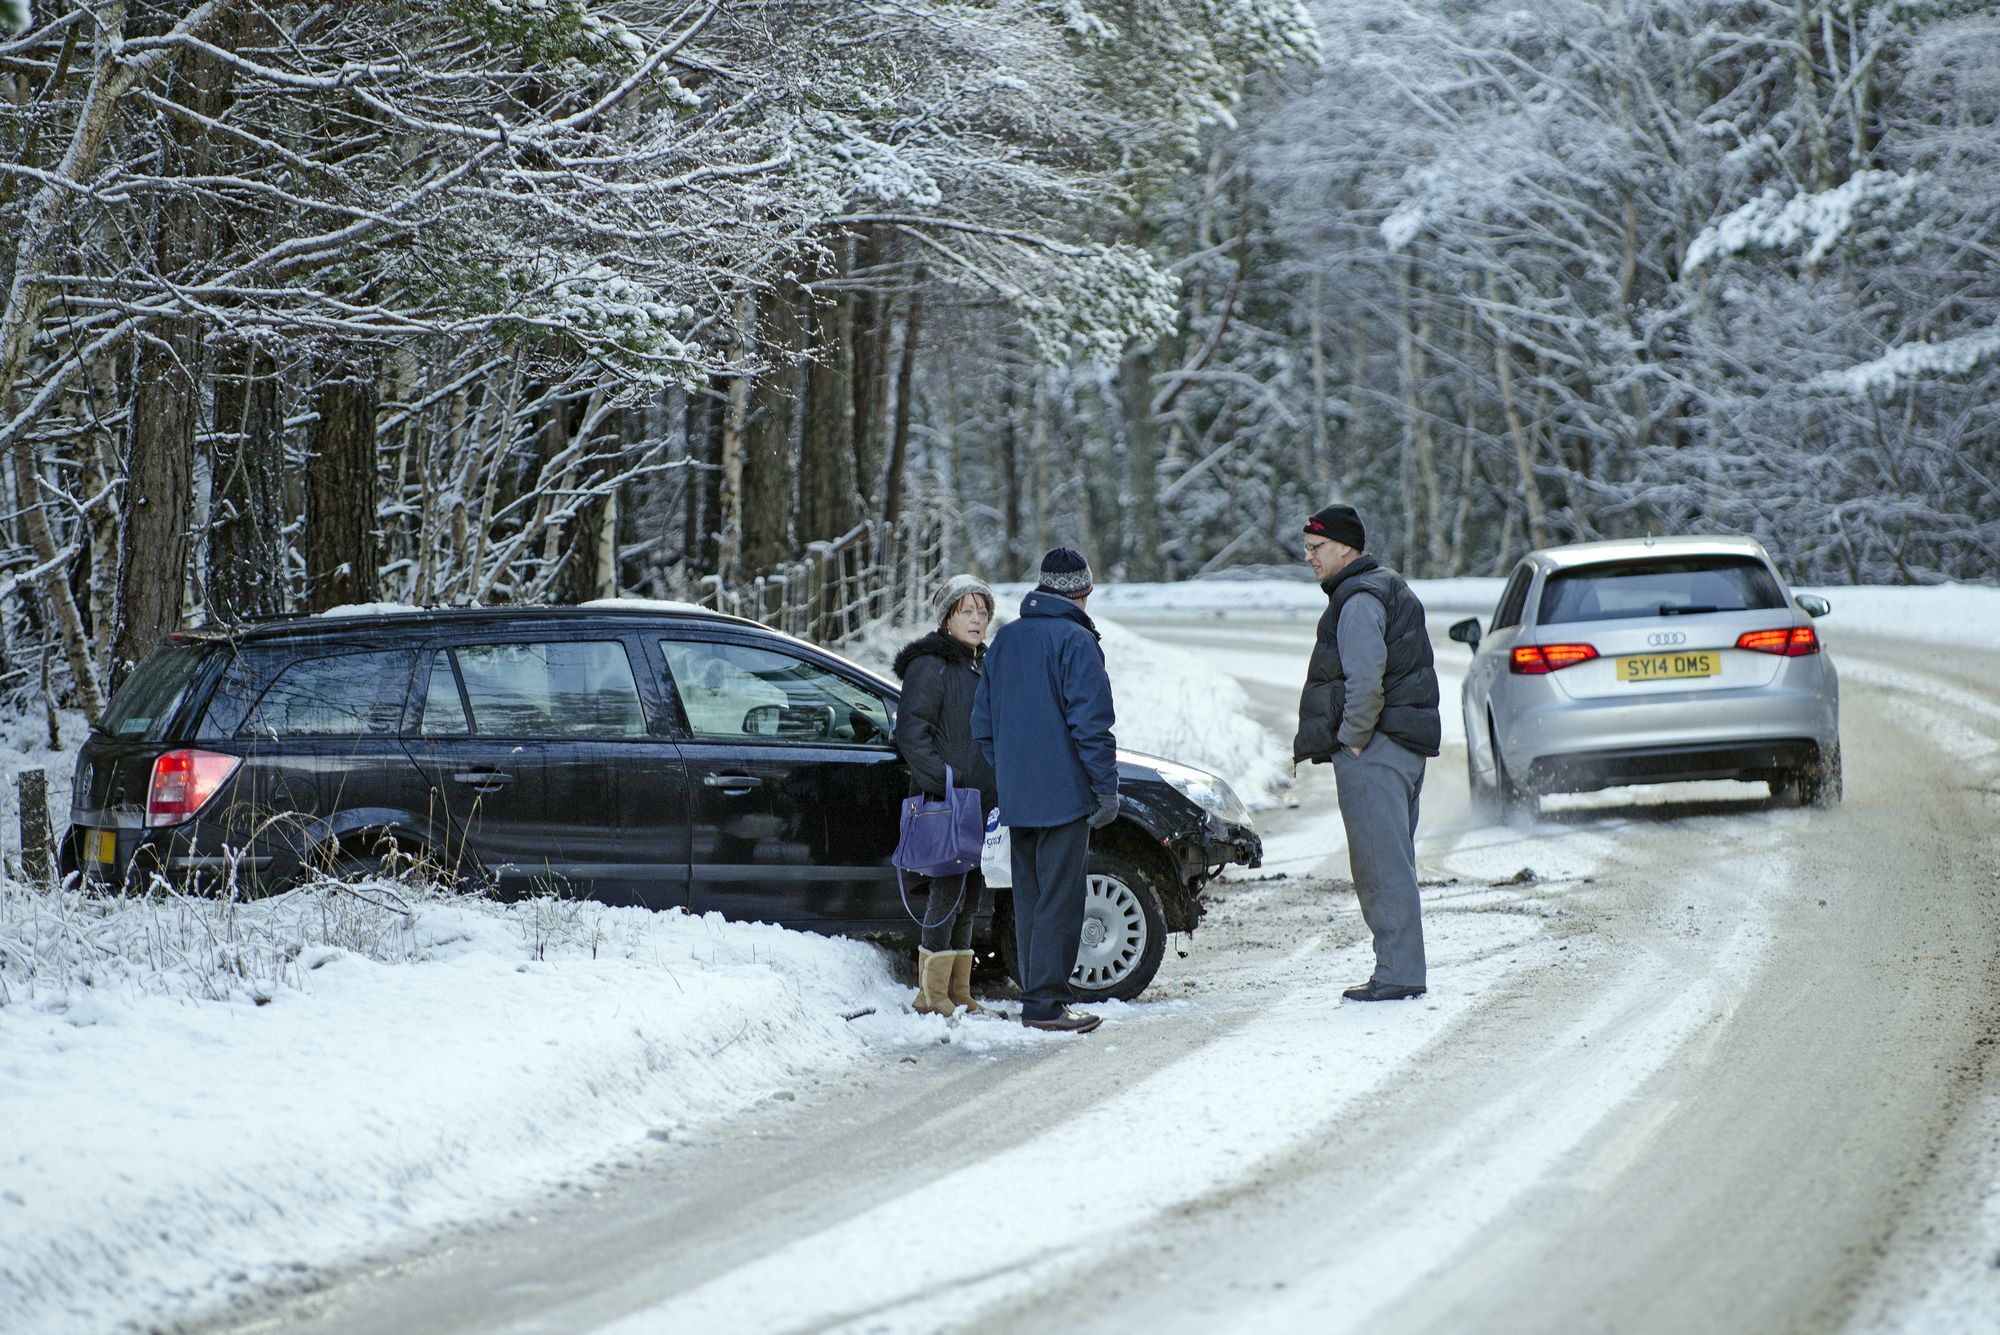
1682,586
145,704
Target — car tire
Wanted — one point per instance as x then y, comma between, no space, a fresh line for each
1819,784
1485,797
1515,802
1124,933
368,857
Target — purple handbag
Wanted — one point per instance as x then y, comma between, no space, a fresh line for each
941,838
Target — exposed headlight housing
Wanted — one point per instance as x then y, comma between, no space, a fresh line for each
1207,791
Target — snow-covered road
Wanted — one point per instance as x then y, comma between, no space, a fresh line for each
1690,1063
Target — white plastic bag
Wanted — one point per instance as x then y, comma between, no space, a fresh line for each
996,859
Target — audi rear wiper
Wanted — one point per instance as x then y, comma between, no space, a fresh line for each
1667,611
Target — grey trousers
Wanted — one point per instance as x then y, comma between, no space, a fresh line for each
1378,804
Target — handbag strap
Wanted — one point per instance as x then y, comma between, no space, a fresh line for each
925,920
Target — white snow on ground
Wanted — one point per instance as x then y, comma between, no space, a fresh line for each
176,1130
158,1143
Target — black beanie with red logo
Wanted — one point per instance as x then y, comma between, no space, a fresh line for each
1342,523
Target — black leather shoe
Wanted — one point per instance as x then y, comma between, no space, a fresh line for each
1069,1022
1374,991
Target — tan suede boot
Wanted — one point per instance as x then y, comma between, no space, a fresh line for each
961,983
933,983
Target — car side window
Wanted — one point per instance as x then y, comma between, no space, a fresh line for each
736,691
444,708
1513,598
345,695
551,689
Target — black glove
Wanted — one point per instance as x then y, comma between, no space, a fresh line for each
1107,810
1322,760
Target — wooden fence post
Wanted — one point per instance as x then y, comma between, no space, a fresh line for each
36,863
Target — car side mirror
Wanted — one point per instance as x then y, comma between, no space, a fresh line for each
1466,631
1813,605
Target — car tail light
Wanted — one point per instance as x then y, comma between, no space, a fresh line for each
1788,641
1534,660
183,781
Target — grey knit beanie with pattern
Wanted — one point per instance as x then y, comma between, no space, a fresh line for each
953,591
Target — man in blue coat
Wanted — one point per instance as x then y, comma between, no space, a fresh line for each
1043,717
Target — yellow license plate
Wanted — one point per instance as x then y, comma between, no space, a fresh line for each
1668,667
102,846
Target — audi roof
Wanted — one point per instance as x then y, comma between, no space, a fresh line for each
1626,549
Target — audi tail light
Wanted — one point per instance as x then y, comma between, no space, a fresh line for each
1535,660
183,781
1786,641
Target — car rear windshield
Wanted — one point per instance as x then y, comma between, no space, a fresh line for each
1683,586
147,703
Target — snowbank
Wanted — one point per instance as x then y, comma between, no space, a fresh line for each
171,1132
1185,707
1967,615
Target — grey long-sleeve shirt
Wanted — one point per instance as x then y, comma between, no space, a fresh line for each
1364,653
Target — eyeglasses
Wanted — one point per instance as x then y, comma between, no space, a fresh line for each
1312,548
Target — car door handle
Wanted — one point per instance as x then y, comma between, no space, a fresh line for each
484,780
740,783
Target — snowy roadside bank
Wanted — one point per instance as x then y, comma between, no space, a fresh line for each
165,1144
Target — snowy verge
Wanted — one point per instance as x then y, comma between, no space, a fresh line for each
233,1097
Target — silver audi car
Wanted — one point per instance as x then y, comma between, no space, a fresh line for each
1649,661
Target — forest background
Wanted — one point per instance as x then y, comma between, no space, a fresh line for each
453,301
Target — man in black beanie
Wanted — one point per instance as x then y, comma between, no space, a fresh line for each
1370,707
1057,764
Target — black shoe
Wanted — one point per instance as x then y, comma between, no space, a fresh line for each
1069,1022
1374,991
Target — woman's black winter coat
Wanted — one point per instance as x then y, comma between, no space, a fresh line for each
934,722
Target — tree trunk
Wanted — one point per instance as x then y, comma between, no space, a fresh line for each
1317,476
1142,446
868,390
340,490
730,448
899,432
1531,493
246,545
1010,484
830,430
770,450
159,478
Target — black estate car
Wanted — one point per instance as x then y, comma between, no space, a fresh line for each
649,755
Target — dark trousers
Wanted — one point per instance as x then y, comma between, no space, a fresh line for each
1051,870
946,928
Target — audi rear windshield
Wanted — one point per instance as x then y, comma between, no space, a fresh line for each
1679,586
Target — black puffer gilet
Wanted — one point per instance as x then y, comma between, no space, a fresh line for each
1409,677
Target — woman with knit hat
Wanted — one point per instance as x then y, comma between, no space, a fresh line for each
940,675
